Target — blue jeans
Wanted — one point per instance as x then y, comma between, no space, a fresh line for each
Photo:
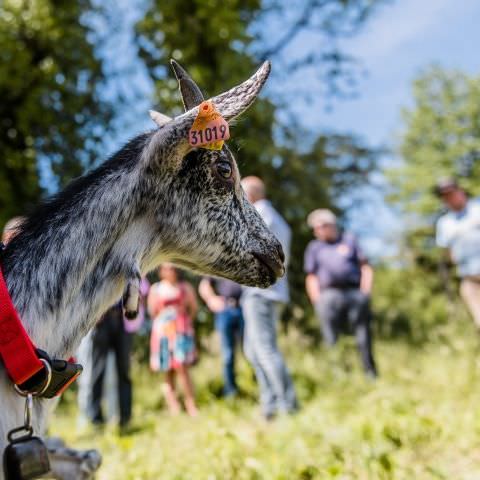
277,393
229,324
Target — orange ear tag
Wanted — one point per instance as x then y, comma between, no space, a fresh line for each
210,129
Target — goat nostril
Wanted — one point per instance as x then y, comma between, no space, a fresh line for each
280,253
271,262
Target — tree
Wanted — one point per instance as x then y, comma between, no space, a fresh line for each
220,44
52,118
441,138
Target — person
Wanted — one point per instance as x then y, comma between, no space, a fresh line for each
458,231
223,299
339,283
173,306
109,334
261,310
109,369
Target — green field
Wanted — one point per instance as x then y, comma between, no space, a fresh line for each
421,420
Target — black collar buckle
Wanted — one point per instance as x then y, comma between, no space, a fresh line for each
52,380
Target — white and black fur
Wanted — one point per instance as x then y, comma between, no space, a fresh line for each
155,200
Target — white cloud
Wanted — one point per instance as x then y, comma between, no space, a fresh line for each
403,22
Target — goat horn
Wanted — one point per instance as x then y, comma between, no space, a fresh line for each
236,100
159,118
192,96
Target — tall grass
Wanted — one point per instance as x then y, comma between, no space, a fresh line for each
420,420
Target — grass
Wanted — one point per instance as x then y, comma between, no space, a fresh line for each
420,420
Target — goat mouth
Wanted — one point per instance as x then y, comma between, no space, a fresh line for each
274,268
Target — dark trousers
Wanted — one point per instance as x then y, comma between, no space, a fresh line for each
109,334
340,309
229,324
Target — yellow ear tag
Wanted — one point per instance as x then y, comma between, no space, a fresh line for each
210,129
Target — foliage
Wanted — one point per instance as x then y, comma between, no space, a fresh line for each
302,39
419,420
412,303
215,41
441,138
297,36
51,115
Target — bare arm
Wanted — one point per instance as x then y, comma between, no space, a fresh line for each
214,302
312,287
153,305
366,279
192,304
206,290
449,256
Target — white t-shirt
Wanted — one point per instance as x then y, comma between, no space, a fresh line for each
460,232
278,292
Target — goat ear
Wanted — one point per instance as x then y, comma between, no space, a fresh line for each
159,118
192,96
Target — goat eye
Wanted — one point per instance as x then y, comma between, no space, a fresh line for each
224,169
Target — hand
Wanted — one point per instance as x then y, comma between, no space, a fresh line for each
313,297
366,291
216,304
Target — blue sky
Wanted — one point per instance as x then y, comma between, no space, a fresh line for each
404,37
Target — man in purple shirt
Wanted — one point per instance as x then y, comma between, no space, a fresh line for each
338,283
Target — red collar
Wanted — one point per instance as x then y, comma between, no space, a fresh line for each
30,369
16,349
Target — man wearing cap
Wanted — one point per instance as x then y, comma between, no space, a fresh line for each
458,230
261,310
338,283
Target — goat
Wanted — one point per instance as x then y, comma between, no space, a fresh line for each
157,199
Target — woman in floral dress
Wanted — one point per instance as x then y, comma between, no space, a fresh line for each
173,305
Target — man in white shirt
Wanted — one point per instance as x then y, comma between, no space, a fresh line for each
261,310
458,230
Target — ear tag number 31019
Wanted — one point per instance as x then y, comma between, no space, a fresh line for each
210,129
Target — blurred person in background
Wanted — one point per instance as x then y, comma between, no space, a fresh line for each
172,305
223,299
109,334
458,231
261,310
111,385
339,283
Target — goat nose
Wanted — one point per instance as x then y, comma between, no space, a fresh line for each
271,262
